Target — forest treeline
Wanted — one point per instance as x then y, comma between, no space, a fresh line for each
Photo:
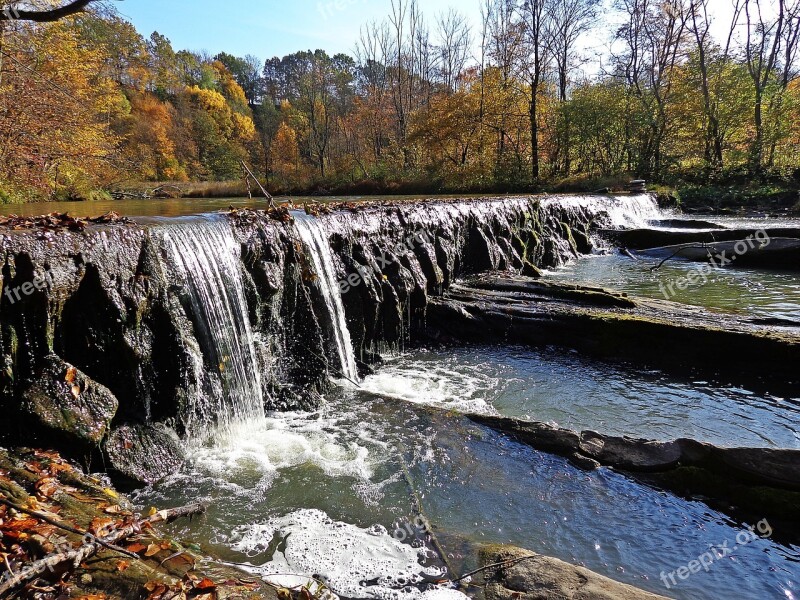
423,101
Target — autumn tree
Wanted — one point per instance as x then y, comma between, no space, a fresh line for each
568,22
653,37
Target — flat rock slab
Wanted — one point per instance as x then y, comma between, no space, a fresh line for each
655,333
545,578
639,239
748,481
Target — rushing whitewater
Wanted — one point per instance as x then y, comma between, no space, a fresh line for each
620,212
207,256
315,239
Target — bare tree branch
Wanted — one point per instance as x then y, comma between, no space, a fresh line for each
44,16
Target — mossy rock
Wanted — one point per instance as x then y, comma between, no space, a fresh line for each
67,402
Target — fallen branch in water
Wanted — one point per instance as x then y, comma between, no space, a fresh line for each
506,563
678,251
249,173
76,556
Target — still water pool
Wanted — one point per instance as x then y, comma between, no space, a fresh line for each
749,292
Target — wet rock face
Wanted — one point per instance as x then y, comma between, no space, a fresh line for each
66,402
110,303
393,260
113,313
144,453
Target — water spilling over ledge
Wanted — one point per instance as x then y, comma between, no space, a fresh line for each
194,329
181,324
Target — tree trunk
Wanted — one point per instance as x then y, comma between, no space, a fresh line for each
757,151
534,134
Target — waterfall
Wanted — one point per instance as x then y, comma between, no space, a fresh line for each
615,212
315,240
206,256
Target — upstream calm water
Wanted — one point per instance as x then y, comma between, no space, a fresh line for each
750,292
182,207
336,492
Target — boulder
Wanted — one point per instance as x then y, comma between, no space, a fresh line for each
545,578
144,453
67,402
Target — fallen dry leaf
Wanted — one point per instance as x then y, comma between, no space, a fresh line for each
47,487
205,584
101,526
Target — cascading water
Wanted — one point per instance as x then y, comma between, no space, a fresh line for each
617,212
315,239
205,254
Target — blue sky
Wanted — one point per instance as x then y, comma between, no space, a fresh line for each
269,28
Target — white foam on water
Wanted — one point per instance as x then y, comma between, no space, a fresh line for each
434,383
268,445
353,562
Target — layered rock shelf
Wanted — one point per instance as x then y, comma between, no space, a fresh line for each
107,353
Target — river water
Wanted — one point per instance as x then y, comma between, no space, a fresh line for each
348,483
749,292
351,492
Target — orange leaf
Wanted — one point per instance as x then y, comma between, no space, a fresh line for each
72,372
20,524
152,550
205,584
47,486
123,565
100,526
137,549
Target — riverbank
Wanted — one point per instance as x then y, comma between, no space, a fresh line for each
56,527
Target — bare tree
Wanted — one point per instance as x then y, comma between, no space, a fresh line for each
653,37
411,54
534,16
453,47
373,54
503,49
765,37
569,21
699,25
787,73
